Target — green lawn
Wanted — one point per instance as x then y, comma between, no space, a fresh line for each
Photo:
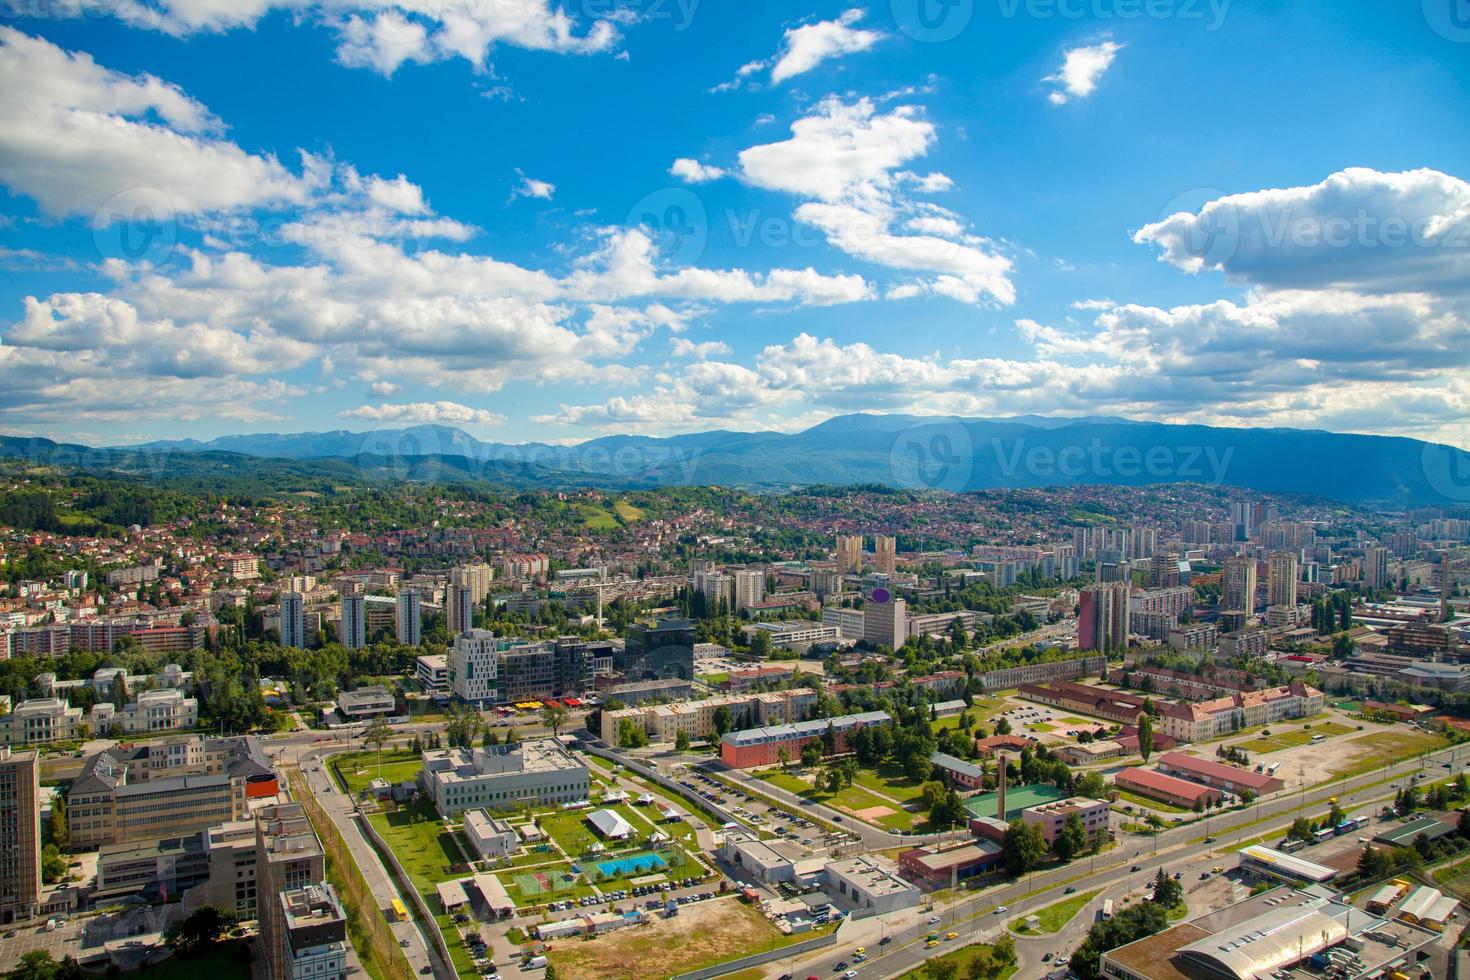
961,958
1054,916
1330,728
1276,741
223,961
358,769
890,780
851,799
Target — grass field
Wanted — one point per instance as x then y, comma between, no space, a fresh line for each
1054,916
1330,728
889,780
851,799
360,768
960,958
596,518
726,929
1384,748
627,512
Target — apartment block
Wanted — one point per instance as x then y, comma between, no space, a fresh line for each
664,722
20,836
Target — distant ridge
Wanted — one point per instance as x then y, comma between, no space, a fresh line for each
938,452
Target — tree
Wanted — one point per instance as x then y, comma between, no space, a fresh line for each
1022,847
378,734
760,643
1002,726
1004,949
948,811
1145,736
724,720
1167,891
811,754
58,827
681,741
982,964
1301,829
53,865
1071,839
200,929
1091,785
1463,826
553,716
942,969
931,793
783,757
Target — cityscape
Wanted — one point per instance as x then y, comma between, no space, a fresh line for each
663,490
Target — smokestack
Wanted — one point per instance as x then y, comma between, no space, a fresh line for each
1000,799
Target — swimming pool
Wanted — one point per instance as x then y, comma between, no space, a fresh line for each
642,861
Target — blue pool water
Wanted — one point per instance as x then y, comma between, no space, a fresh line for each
645,861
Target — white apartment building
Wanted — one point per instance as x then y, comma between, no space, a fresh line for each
849,622
473,667
293,620
354,621
749,587
407,619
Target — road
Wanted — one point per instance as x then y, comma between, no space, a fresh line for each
1172,849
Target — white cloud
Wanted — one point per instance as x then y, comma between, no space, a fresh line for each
383,35
74,135
531,187
807,46
693,172
1358,229
383,389
1081,69
846,156
425,413
700,351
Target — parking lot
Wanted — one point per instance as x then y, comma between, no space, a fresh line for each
65,940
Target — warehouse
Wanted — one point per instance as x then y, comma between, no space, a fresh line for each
1169,789
1264,862
1231,779
1404,834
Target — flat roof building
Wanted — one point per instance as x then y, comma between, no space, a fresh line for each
864,883
1169,789
763,746
498,777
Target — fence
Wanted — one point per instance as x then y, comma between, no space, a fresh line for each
405,884
362,908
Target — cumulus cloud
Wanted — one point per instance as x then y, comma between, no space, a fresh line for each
693,172
440,412
809,45
1081,70
847,158
1358,229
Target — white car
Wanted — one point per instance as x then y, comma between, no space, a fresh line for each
999,909
933,919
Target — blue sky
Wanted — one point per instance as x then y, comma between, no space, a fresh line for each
551,223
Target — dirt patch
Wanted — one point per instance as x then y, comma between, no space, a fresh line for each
873,813
727,928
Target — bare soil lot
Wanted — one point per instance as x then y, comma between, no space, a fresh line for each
726,928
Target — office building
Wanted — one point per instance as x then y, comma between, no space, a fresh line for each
40,720
1238,585
661,651
407,618
500,777
885,621
313,929
885,554
850,554
166,787
293,620
491,837
20,836
1052,817
1281,579
288,858
474,666
354,622
152,711
432,671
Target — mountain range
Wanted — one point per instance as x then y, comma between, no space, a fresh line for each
940,452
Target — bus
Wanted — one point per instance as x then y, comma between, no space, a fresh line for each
1318,738
1107,909
399,912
